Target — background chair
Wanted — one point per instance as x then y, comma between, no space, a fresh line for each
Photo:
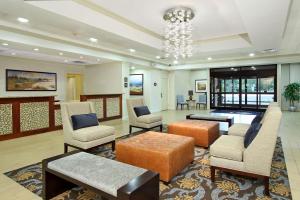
84,138
146,122
180,100
202,100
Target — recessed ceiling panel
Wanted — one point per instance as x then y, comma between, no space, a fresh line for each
213,18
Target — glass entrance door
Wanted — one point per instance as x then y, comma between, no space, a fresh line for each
249,92
243,87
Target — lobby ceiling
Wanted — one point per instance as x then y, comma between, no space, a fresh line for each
223,30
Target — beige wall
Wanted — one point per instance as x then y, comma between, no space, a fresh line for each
103,78
7,62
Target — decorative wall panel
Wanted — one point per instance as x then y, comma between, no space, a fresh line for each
34,115
57,117
112,107
98,105
6,121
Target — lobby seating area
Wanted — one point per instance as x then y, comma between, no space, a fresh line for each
149,100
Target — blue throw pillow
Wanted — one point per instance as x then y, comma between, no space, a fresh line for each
251,133
141,110
84,120
257,119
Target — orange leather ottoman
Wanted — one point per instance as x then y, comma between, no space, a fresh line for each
159,152
204,132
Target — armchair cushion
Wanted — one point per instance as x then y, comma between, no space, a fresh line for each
228,147
141,110
251,134
84,120
93,133
148,119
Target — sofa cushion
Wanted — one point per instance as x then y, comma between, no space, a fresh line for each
148,119
228,147
238,129
251,133
141,110
93,133
84,120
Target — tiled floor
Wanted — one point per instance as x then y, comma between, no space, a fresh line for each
28,150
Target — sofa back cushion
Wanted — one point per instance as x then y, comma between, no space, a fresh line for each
251,133
84,120
141,110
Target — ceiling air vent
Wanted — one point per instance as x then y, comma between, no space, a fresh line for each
79,62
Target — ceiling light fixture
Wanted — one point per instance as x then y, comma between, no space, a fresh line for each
4,44
251,54
93,39
132,67
36,49
23,20
178,32
132,50
13,53
157,57
98,59
61,53
175,62
209,58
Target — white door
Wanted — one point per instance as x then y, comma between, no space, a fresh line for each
71,89
164,94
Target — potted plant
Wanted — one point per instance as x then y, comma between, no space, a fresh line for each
292,94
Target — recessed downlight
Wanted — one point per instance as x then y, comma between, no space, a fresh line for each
132,50
175,62
22,20
157,57
209,58
132,67
93,39
36,49
4,44
251,54
61,53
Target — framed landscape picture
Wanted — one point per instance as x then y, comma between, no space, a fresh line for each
200,85
136,84
19,80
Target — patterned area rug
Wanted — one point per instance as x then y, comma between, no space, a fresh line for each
192,183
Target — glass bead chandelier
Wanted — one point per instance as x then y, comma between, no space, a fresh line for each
178,32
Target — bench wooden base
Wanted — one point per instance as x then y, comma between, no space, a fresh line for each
230,121
143,187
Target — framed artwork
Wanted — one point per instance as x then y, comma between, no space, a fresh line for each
20,80
200,85
136,84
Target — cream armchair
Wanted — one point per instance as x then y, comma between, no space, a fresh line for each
84,138
146,122
228,153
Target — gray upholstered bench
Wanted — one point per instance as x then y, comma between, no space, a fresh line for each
218,118
109,178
